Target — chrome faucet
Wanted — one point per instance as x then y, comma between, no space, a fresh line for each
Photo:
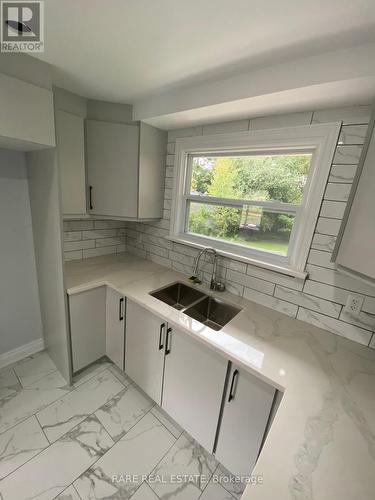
215,284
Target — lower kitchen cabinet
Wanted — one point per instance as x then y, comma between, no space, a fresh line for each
248,403
87,326
115,327
223,407
144,351
194,379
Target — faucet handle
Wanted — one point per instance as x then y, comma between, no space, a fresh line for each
217,286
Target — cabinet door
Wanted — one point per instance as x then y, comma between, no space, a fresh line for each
112,165
71,160
144,351
356,251
194,379
247,408
115,327
87,326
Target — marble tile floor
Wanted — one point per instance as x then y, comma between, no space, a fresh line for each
101,438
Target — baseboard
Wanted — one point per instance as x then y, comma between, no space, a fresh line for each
21,352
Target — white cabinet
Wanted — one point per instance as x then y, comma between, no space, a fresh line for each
87,326
115,327
144,351
71,159
126,167
26,120
194,379
355,251
248,403
112,163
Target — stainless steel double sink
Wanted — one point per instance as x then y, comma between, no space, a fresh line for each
210,311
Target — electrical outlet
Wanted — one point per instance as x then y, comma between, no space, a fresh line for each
354,304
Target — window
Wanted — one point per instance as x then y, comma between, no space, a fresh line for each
254,196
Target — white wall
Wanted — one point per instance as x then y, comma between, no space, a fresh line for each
20,319
47,228
320,299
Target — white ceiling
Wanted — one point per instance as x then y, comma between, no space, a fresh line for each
128,50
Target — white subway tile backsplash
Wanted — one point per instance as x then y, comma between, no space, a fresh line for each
72,235
347,155
308,301
323,242
171,146
156,250
334,325
273,277
170,160
333,209
324,291
168,194
348,116
108,224
159,260
181,267
363,320
169,182
185,250
184,132
167,204
78,245
234,288
235,265
277,121
226,128
178,257
142,254
106,242
321,258
338,279
337,192
369,305
251,282
98,233
80,236
78,225
169,172
121,248
353,134
342,173
156,241
272,302
327,226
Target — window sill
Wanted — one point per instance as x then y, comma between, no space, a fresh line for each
247,260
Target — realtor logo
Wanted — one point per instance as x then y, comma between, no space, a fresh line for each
22,26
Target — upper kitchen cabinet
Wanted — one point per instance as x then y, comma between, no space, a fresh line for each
125,166
355,250
70,137
27,118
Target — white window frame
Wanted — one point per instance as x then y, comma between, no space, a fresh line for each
320,140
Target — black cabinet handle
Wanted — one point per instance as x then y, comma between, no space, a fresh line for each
167,347
161,345
233,386
90,198
121,309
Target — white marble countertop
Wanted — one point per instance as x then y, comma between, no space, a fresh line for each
321,445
